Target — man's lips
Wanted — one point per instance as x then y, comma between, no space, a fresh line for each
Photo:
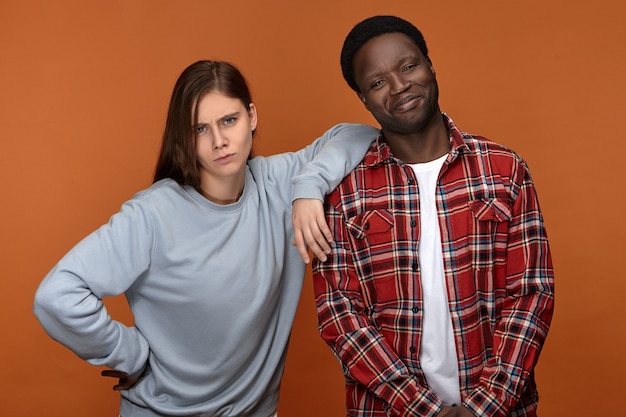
407,103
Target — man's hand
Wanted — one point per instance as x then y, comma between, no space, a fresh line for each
310,228
456,411
124,382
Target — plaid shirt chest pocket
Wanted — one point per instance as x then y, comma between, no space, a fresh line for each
372,228
372,242
476,224
488,225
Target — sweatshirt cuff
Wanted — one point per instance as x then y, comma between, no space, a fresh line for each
308,189
130,355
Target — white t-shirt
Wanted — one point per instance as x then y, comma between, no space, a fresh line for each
437,356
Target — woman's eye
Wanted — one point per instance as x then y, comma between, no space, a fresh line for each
201,129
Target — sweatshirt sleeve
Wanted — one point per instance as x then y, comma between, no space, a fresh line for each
336,159
68,302
315,170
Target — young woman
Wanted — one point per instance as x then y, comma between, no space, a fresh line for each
204,257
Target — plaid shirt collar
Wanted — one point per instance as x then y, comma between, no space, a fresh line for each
380,152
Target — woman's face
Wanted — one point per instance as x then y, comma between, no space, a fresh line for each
223,138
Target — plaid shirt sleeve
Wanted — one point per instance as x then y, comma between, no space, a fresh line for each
364,353
526,311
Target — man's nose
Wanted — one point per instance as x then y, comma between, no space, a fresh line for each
398,84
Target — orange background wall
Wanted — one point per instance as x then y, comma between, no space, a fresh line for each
83,93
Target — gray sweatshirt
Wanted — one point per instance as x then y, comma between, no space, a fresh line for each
213,288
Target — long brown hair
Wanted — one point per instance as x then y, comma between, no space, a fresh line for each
177,159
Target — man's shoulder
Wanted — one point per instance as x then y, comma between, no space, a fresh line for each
369,178
478,145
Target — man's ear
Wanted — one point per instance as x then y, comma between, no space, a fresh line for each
432,68
363,100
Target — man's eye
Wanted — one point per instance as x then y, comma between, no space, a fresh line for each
408,67
376,84
201,129
229,120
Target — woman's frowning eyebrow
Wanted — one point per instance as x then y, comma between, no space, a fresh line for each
231,115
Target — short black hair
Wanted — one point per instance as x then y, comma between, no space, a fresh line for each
371,28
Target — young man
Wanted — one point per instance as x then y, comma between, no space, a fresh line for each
438,294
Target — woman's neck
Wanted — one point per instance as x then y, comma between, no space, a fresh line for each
222,191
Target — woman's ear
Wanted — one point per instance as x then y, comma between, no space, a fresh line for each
253,116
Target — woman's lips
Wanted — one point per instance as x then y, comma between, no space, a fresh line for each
225,158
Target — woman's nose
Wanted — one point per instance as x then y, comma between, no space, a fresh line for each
219,140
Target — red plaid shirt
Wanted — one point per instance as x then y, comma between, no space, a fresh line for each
498,272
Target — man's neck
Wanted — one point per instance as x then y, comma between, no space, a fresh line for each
424,146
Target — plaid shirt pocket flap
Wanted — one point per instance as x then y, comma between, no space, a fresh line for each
375,225
494,210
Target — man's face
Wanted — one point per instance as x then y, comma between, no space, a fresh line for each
397,83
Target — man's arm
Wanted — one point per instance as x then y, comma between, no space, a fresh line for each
526,312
